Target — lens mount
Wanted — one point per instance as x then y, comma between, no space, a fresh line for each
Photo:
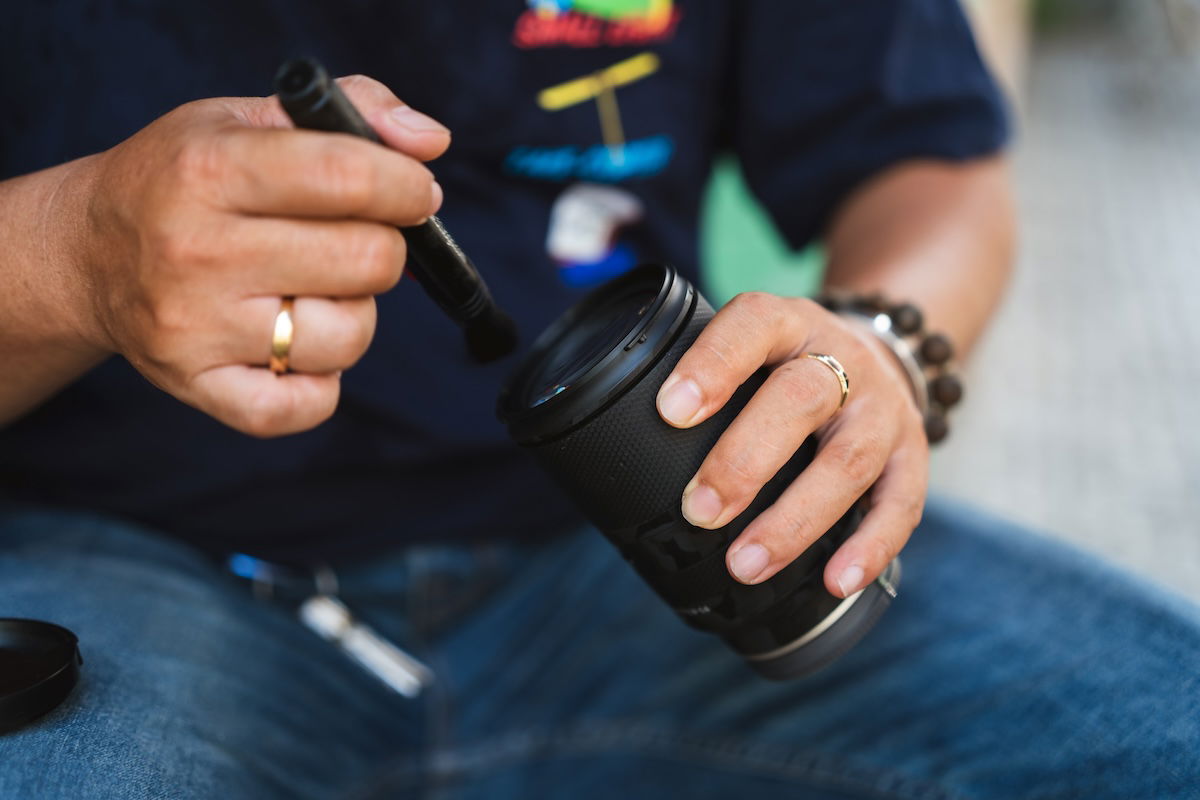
835,635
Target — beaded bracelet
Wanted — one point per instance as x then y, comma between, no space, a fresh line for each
927,358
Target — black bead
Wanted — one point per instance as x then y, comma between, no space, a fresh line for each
936,349
906,319
935,427
946,390
833,301
874,302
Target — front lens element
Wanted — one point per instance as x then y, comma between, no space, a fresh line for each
594,337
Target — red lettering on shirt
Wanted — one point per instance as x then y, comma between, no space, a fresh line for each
573,29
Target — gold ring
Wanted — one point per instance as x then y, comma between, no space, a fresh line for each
281,336
838,370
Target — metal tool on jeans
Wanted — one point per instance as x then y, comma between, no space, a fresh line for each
325,614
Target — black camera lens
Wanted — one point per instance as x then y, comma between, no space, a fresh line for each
583,403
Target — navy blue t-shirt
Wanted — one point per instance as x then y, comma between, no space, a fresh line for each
551,184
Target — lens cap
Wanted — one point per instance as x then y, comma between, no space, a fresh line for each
39,666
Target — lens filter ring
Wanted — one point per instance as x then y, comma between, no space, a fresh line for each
594,352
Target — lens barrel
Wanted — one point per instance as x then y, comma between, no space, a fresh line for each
583,403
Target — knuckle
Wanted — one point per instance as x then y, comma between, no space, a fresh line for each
325,407
353,337
906,417
363,86
754,310
757,311
199,160
171,319
364,332
345,349
347,173
753,303
400,254
419,197
807,307
355,80
165,329
714,347
911,510
795,380
276,411
733,476
858,354
857,351
160,348
379,255
909,418
794,529
856,457
879,551
179,248
265,414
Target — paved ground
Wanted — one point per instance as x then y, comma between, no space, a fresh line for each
1084,409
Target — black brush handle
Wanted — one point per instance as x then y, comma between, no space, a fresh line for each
314,101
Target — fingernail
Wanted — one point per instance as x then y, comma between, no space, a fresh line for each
701,504
748,562
679,401
850,580
409,117
438,195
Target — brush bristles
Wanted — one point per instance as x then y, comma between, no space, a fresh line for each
491,337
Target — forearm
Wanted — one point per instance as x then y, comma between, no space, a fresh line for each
936,234
45,342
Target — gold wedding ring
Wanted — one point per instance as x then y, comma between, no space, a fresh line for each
838,370
281,336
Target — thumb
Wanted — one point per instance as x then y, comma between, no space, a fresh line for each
400,126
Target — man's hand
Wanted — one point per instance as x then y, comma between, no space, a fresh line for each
876,439
198,225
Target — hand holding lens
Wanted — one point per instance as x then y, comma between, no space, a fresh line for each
583,403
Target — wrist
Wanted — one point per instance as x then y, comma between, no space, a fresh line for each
48,335
67,243
867,333
925,359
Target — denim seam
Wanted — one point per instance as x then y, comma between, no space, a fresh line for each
426,595
767,759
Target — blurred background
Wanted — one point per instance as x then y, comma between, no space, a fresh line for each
1080,416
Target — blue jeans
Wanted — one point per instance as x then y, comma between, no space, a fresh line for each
1009,667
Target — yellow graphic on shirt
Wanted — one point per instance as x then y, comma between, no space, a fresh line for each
601,86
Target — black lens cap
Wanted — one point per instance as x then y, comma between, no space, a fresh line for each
39,666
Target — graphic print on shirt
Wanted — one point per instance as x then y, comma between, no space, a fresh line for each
595,23
615,159
589,216
584,225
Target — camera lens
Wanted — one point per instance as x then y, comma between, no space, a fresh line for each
583,403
